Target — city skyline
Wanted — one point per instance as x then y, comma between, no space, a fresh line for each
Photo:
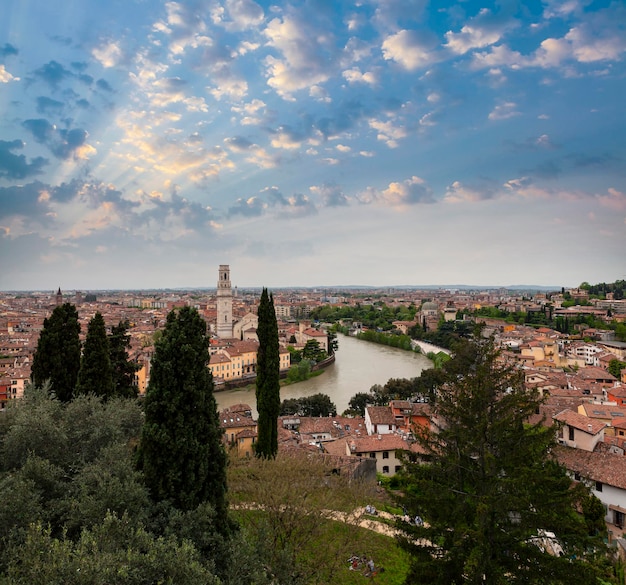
311,144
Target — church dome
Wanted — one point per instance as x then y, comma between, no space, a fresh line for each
430,306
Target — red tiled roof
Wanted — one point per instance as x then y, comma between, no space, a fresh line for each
580,422
607,468
374,443
381,415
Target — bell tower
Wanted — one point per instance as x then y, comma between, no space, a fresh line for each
224,327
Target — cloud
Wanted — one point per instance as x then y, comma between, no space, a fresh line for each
108,54
47,105
306,53
408,192
15,166
244,14
170,217
8,50
63,143
614,199
5,76
481,31
24,208
253,152
330,195
251,113
251,207
104,85
600,37
504,111
355,75
297,205
411,49
459,193
53,74
388,131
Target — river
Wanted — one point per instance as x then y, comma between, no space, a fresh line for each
358,366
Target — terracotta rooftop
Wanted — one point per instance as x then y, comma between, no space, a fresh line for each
607,468
381,415
580,421
373,443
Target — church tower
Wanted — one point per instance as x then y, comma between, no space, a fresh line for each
59,298
224,327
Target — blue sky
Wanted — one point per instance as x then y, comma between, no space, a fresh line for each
372,142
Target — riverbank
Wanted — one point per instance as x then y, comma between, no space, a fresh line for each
357,368
250,379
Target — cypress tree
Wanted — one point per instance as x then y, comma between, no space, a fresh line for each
95,375
181,452
267,378
57,357
123,369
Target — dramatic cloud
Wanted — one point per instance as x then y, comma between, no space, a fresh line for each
63,143
187,126
16,166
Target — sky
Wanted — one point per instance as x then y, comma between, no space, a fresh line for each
311,143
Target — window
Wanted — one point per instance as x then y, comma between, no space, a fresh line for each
398,467
372,455
385,454
598,486
577,476
571,433
386,469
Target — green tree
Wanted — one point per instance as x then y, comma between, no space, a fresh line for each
114,552
489,487
312,351
299,371
180,450
315,405
96,374
267,378
358,403
123,368
57,357
615,367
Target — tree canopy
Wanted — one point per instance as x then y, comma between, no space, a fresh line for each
314,405
487,487
57,357
180,451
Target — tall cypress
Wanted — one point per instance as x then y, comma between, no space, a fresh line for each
123,368
181,452
267,378
96,374
57,357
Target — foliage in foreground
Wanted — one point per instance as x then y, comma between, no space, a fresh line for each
298,524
